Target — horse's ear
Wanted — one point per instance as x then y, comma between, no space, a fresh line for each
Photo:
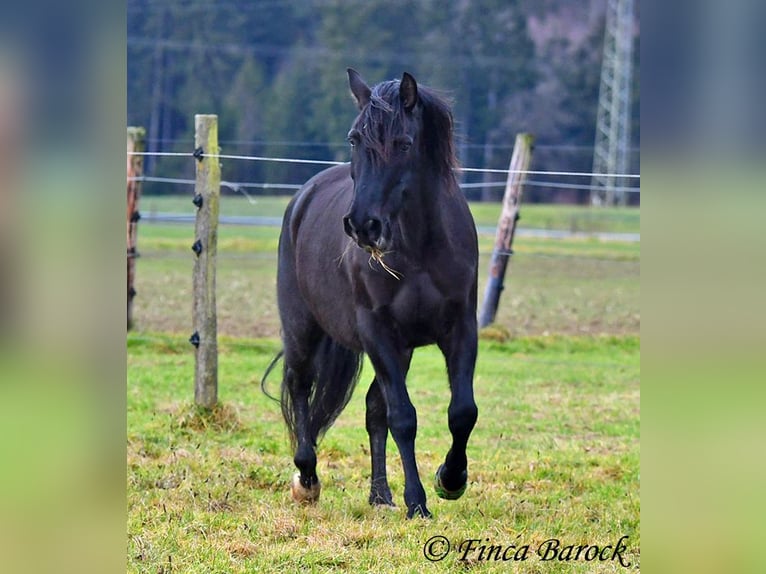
408,92
360,90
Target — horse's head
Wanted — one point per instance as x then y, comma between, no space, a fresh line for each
385,151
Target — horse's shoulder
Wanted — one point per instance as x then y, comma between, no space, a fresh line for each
318,197
330,177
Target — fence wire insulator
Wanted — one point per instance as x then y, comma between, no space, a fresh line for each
135,216
132,292
132,253
194,339
197,201
197,247
199,153
517,216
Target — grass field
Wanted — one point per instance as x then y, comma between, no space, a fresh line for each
553,286
555,453
563,217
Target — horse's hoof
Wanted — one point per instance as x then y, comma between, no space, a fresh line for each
381,497
385,507
304,495
445,493
382,502
420,511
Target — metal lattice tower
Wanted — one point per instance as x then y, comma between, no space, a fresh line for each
612,146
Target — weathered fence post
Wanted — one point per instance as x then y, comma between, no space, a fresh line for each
136,144
206,199
506,227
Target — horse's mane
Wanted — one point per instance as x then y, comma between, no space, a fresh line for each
379,124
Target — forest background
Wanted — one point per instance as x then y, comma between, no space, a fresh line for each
274,72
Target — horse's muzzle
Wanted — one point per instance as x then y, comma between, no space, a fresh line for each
367,233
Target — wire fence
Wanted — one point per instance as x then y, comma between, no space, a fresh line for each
329,162
243,187
583,148
160,268
542,185
238,185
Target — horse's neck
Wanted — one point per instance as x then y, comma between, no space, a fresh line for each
421,221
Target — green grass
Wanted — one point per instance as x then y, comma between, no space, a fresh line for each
577,289
565,217
555,454
537,216
265,206
578,286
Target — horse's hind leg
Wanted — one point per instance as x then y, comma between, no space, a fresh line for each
300,343
377,429
300,337
459,349
305,486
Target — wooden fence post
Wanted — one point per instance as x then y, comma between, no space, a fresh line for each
506,227
206,198
136,144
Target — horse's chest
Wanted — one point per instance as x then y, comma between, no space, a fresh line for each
419,307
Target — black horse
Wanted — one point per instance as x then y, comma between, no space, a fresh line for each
380,256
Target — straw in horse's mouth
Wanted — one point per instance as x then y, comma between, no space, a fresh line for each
377,255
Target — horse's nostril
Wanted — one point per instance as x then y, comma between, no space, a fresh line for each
365,233
348,227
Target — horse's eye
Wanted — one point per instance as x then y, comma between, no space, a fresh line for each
351,142
405,144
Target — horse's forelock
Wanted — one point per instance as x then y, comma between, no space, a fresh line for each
377,121
379,124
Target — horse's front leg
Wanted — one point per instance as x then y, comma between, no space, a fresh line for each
459,347
377,429
391,363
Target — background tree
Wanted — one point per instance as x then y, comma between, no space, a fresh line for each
497,62
274,72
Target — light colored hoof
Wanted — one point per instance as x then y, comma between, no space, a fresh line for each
304,495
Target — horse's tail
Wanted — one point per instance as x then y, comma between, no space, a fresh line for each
336,371
270,368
